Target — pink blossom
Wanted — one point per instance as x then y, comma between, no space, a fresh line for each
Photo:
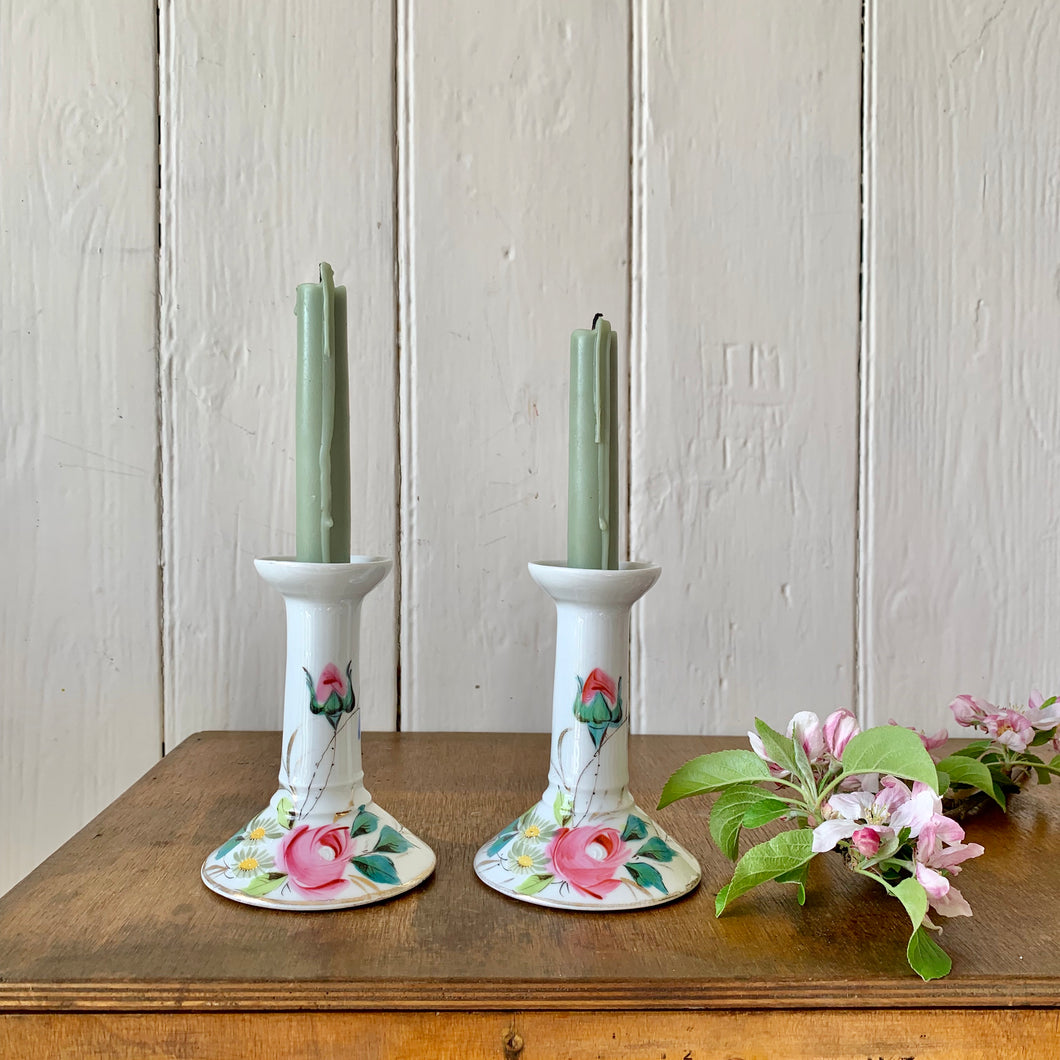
315,859
917,809
330,681
931,743
866,840
759,749
588,858
943,897
970,711
807,726
1010,728
1043,717
885,812
839,727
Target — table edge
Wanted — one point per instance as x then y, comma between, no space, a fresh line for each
455,995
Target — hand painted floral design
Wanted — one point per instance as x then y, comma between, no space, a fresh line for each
525,857
273,856
315,859
599,704
588,858
250,860
333,694
264,826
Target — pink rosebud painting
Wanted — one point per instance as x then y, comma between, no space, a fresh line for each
599,704
598,681
315,859
332,694
330,681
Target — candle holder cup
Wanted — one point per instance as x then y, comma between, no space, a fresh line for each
586,845
322,842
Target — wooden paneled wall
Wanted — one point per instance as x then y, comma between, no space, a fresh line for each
827,231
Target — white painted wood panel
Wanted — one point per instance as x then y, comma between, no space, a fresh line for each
962,555
277,154
744,438
80,688
517,202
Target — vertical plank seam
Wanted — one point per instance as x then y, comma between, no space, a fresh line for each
866,353
164,358
405,349
635,417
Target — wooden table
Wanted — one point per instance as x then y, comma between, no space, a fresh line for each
113,947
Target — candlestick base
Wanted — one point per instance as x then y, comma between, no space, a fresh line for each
364,857
322,842
586,845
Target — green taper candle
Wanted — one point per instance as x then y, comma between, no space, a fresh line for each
592,483
322,423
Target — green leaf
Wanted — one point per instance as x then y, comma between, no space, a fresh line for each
926,957
265,883
721,900
535,883
970,771
914,898
730,811
635,828
890,749
1041,737
779,748
972,750
797,877
377,867
713,772
391,841
285,812
777,857
562,807
363,823
943,780
646,876
768,809
802,764
657,849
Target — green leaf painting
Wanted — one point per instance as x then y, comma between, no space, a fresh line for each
646,876
376,867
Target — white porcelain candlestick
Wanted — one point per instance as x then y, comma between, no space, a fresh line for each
586,845
321,843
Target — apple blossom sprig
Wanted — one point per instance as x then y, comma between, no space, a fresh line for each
1003,762
841,789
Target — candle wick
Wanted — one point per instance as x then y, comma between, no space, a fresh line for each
595,319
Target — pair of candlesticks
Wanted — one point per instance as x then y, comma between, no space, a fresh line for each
324,843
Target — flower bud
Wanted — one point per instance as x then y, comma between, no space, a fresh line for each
839,727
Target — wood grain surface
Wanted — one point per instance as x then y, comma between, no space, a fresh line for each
118,920
921,1034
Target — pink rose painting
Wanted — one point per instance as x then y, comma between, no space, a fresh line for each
588,858
315,859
